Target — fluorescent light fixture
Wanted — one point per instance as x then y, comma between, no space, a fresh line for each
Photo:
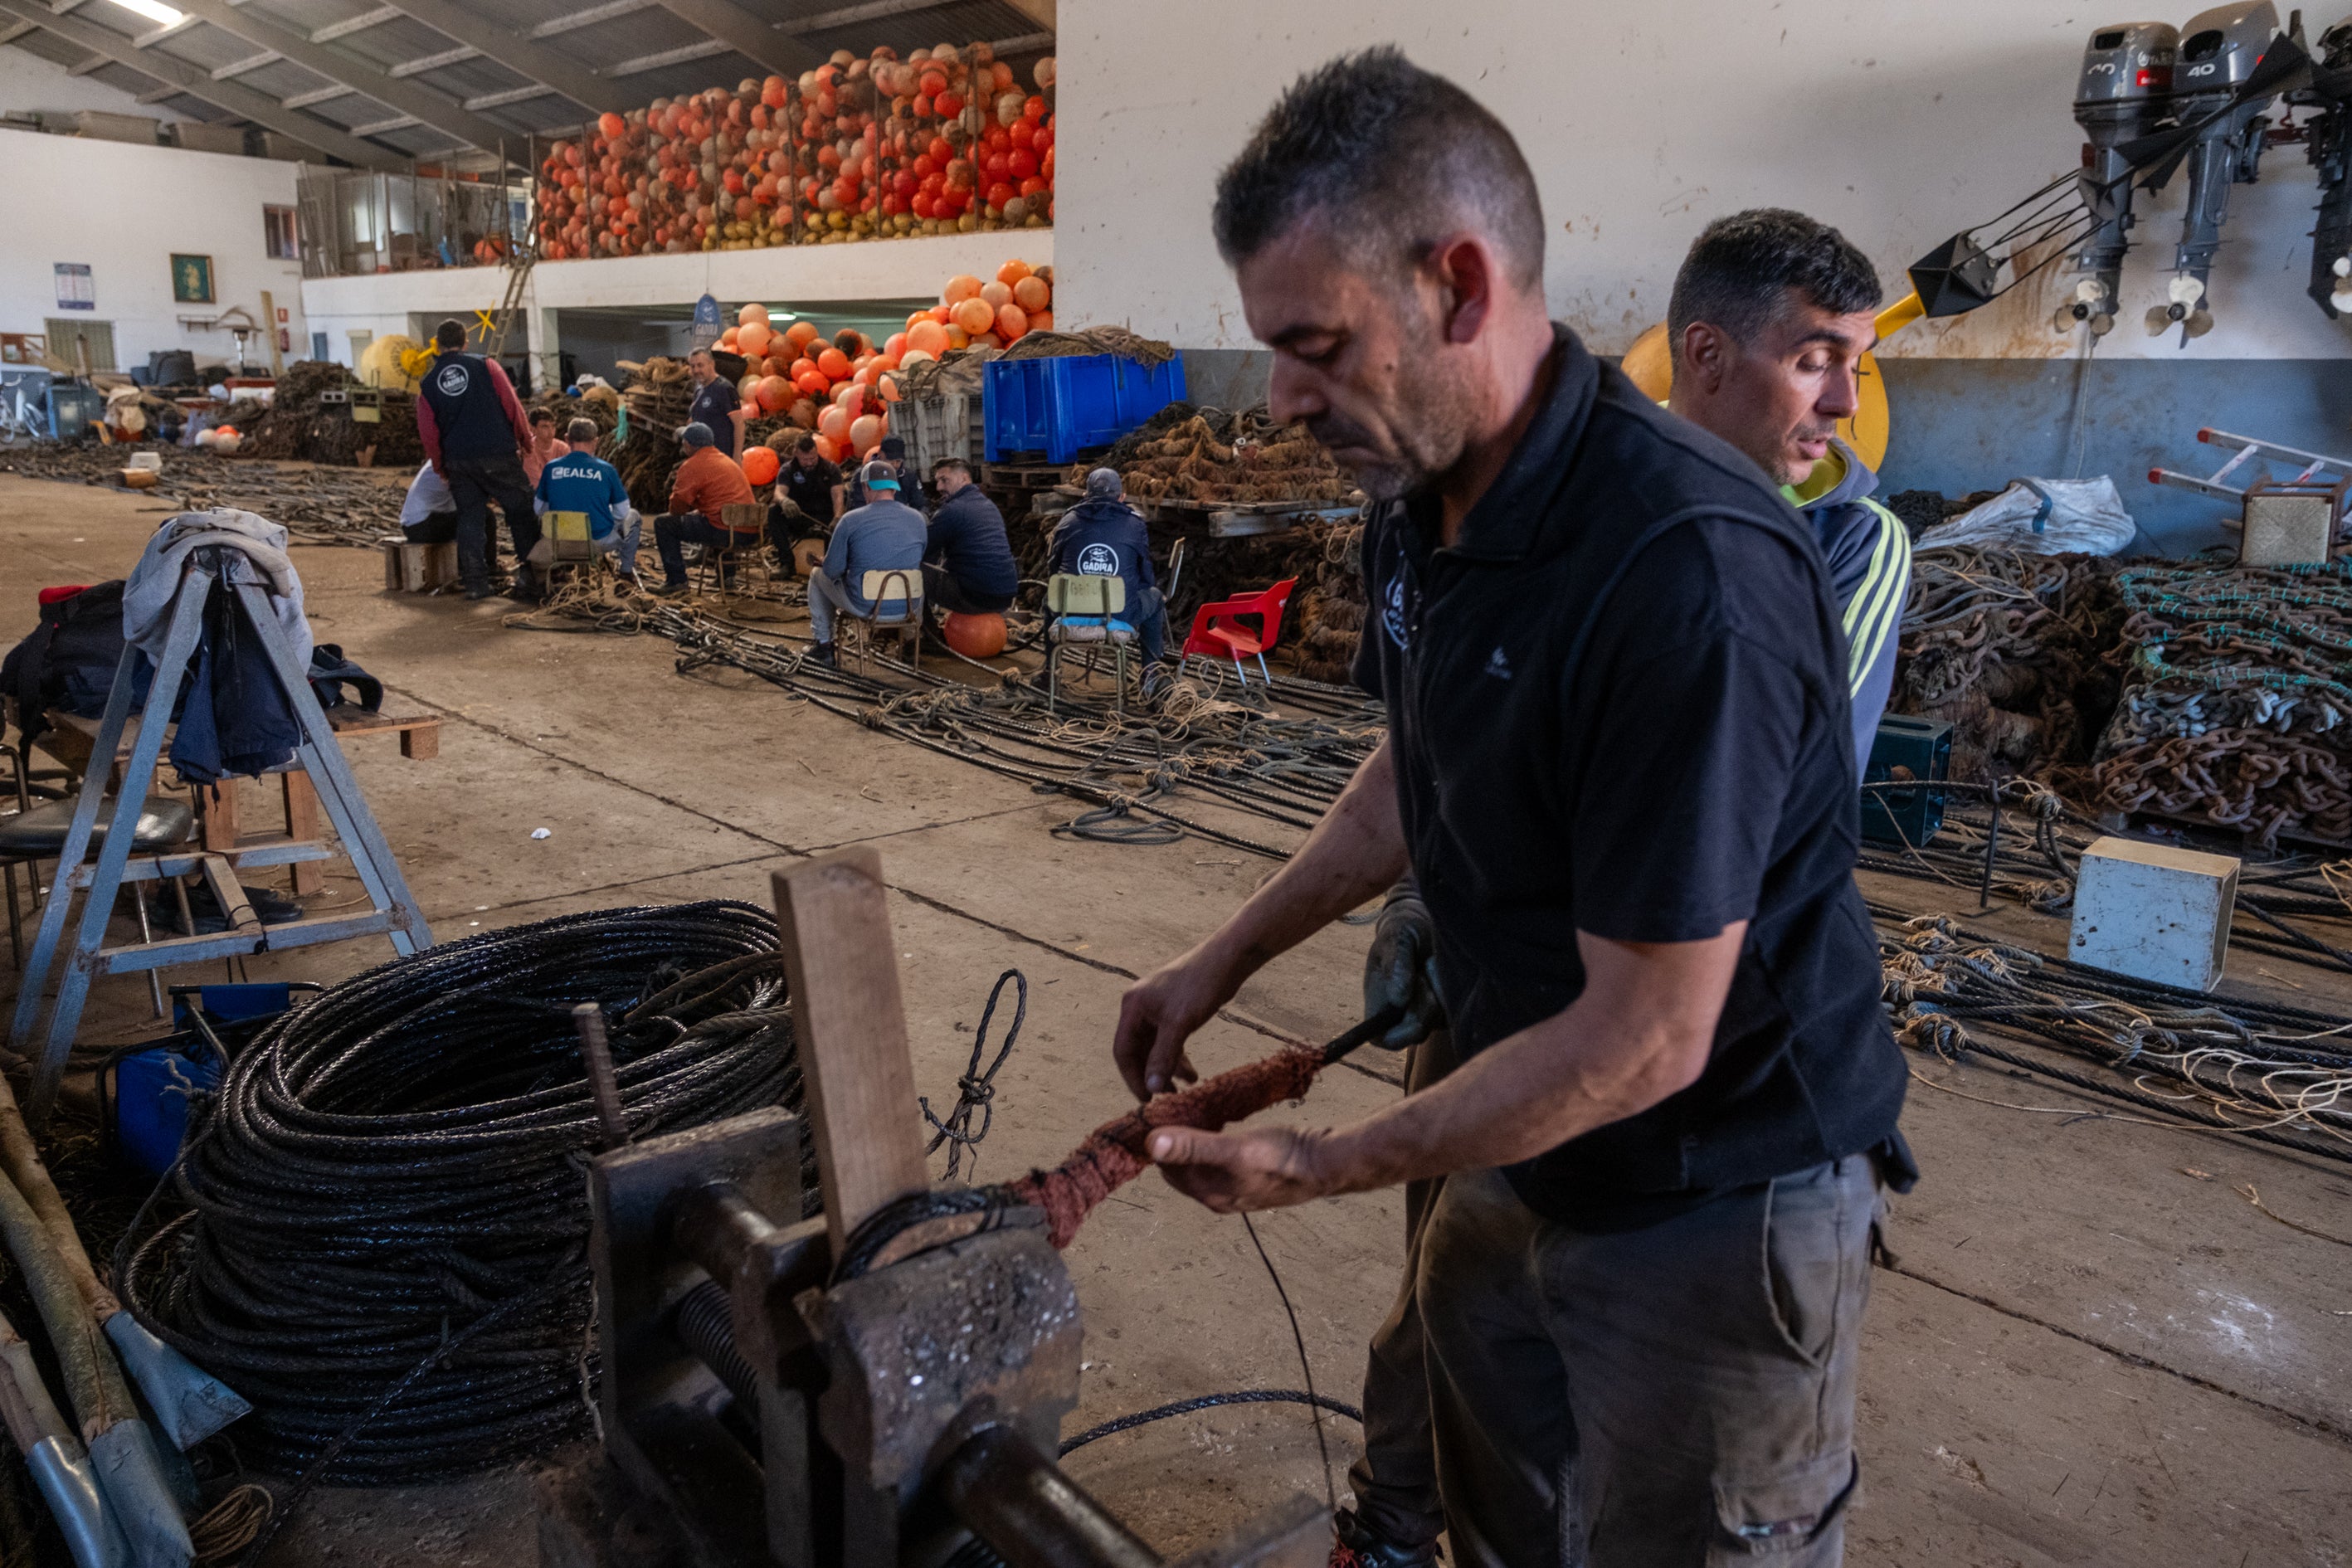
781,316
154,10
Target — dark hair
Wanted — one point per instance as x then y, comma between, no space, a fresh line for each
542,416
1400,154
1740,269
806,443
450,334
958,464
581,429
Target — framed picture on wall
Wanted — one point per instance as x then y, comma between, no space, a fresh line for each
192,279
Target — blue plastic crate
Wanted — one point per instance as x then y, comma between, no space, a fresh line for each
1062,407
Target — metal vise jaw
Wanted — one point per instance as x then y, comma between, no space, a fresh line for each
773,1417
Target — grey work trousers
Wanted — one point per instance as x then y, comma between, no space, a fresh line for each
1667,1397
1395,1482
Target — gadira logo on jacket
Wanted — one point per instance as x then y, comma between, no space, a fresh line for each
1098,561
1392,615
452,379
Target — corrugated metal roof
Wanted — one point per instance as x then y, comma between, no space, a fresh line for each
599,45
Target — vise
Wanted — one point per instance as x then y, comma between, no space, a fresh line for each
877,1385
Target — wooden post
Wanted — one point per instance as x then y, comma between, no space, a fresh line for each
850,1028
302,826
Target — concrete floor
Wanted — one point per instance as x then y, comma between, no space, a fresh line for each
2092,1349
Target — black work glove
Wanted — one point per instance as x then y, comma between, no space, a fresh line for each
1400,970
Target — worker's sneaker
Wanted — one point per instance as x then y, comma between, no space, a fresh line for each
1355,1544
477,591
823,653
666,590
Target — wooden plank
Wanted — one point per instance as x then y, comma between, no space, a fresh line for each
850,1027
301,826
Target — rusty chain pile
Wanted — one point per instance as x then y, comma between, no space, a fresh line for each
2006,647
2237,685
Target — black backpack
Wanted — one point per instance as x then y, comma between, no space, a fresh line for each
67,662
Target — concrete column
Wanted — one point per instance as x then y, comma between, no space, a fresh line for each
546,346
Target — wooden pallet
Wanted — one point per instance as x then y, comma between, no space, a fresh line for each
1022,476
1240,520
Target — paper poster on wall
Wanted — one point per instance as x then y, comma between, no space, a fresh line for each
76,288
192,279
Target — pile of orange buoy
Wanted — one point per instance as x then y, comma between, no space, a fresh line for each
944,141
842,389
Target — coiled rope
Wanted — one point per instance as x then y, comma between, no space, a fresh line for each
386,1244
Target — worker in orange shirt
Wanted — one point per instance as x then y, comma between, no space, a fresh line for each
708,482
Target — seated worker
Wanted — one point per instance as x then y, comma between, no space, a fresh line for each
1770,316
545,445
429,515
807,499
892,451
706,481
968,566
580,480
1102,536
884,535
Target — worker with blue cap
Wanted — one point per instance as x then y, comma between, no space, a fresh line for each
885,534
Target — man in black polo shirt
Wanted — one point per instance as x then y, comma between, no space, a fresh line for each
1631,819
715,403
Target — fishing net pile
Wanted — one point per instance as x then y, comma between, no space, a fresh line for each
299,422
2236,690
2007,648
1188,453
658,397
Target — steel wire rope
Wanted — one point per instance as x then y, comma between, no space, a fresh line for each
388,1179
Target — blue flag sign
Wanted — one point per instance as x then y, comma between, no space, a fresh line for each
707,325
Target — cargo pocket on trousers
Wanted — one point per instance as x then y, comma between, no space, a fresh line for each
1785,1514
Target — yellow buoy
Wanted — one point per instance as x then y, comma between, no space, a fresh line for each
1650,365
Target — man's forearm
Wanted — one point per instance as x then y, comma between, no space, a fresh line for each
1354,853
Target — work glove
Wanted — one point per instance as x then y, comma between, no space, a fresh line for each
1400,970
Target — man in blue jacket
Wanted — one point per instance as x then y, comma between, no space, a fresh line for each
1102,536
475,433
580,480
1770,316
968,566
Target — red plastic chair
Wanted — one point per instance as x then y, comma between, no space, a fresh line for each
1216,631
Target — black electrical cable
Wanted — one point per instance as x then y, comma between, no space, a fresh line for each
1207,1401
389,1169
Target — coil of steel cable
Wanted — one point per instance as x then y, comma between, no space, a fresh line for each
385,1244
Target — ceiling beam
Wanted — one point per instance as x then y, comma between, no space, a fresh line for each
239,101
429,107
519,54
1041,12
850,16
327,94
746,34
511,95
359,23
88,64
432,62
250,63
15,30
1023,44
154,35
164,94
677,57
573,20
384,127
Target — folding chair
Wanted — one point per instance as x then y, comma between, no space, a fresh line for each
1086,612
902,586
746,520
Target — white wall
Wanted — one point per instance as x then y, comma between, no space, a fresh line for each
1899,123
792,274
28,82
124,210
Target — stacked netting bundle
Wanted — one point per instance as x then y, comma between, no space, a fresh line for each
385,1243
